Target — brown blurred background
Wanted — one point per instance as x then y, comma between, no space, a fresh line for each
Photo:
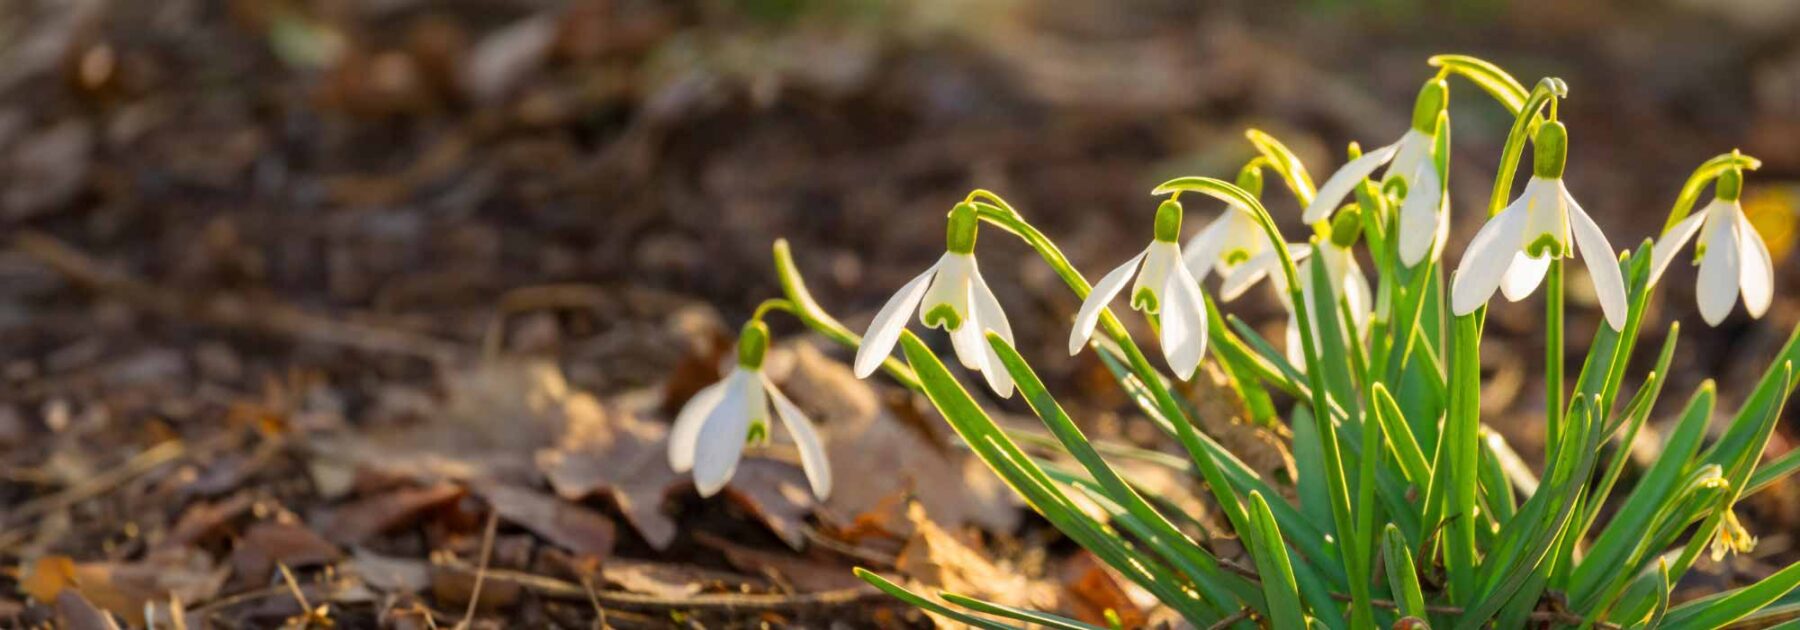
236,170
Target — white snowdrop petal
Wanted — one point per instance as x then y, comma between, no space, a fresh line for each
1264,264
1757,268
1296,353
987,307
1419,216
1485,261
1338,186
721,441
971,348
1523,276
1160,261
1716,289
950,287
1358,296
1183,323
1102,294
1663,252
1206,249
884,331
806,439
1415,149
687,425
1602,264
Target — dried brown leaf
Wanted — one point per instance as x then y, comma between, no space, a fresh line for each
561,522
356,521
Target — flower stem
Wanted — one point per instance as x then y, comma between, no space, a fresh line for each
1553,352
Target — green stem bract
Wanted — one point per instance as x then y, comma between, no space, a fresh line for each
1707,171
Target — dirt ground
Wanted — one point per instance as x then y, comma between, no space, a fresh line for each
374,312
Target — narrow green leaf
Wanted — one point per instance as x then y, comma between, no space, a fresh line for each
1054,622
920,601
1498,83
1292,170
1719,609
1400,438
1272,565
1403,577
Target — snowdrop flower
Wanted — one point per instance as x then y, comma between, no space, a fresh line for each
710,432
1231,239
1164,287
1347,281
950,295
1410,160
1732,257
1513,251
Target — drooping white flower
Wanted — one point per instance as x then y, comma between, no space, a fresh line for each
1164,287
1347,282
1232,238
950,295
1512,251
711,430
1422,223
1732,256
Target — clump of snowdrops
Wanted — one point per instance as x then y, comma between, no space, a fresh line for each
1410,512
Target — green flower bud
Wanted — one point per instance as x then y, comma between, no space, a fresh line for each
959,237
1346,226
1433,98
1730,185
1168,221
753,342
1251,179
1550,150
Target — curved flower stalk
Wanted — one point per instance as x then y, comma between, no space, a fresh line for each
1512,252
711,430
1164,287
1732,257
1348,283
1233,238
950,295
1410,161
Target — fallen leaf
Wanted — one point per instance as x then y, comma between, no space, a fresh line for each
1091,590
565,524
800,573
874,454
354,522
507,56
390,574
266,544
124,588
201,520
74,612
454,585
936,561
620,456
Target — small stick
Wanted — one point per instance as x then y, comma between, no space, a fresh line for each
487,550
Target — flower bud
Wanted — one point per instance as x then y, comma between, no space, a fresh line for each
959,237
1168,221
1433,98
1730,185
1346,226
753,342
1550,150
1251,179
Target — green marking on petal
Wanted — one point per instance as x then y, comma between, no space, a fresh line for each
1237,256
1145,300
1544,245
759,432
943,317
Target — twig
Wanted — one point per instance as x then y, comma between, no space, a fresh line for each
97,485
230,311
1240,615
728,602
487,551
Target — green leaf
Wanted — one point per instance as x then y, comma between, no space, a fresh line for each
920,601
1498,83
1272,565
1054,622
1719,609
1292,170
1399,437
1403,577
